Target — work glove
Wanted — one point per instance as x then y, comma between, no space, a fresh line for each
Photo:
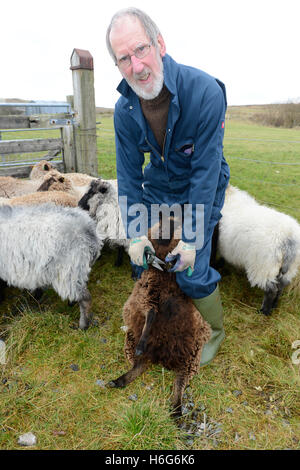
138,248
184,255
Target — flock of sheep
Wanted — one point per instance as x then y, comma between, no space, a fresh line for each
53,227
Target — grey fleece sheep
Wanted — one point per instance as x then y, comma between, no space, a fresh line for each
49,246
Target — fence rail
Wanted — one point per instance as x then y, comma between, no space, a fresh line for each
29,145
77,142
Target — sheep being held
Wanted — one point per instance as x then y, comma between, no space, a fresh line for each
163,325
260,240
49,246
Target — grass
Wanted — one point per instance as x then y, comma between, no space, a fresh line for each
251,389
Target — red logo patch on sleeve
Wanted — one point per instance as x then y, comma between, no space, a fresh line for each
223,124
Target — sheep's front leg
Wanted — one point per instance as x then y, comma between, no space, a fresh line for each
142,344
139,367
3,285
180,382
270,298
120,256
85,315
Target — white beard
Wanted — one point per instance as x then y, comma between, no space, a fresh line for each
157,84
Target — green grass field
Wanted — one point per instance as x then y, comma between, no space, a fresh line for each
248,397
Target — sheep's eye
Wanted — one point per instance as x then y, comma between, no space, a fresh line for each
46,168
61,180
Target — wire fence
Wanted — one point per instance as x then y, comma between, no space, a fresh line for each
236,177
108,134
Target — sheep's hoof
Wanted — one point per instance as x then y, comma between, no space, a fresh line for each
110,384
115,384
267,313
176,413
84,325
138,352
118,383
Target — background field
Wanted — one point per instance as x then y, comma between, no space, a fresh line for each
248,398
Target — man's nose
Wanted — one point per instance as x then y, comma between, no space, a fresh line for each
137,65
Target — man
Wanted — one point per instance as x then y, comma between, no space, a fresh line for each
176,113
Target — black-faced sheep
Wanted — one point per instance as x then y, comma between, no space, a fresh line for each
101,200
163,325
49,246
260,240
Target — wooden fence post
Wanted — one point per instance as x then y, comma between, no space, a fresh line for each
84,105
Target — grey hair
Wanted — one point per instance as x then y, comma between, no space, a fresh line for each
148,24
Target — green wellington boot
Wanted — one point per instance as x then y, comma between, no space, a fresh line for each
211,310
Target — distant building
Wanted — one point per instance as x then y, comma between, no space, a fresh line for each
47,107
35,107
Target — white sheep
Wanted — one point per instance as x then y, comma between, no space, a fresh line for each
49,246
260,240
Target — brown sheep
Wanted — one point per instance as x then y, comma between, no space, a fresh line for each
59,198
163,325
55,188
42,167
11,187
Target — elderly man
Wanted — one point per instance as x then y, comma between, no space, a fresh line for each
176,113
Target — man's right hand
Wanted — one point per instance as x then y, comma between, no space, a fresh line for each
137,248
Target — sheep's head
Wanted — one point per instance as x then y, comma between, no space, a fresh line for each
99,192
40,169
55,181
165,235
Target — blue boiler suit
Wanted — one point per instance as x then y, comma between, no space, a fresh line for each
196,122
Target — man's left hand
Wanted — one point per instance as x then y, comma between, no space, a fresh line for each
185,255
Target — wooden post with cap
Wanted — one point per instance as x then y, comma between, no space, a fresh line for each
84,105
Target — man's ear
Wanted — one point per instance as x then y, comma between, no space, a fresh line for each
161,45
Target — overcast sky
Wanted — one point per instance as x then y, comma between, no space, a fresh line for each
252,46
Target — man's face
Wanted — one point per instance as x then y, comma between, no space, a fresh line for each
144,76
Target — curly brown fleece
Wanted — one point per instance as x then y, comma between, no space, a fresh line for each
176,332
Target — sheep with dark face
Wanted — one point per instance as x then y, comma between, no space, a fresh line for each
260,240
163,325
101,200
49,246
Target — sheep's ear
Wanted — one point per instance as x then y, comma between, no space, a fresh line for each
46,184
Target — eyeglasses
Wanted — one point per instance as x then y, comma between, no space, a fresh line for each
140,52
